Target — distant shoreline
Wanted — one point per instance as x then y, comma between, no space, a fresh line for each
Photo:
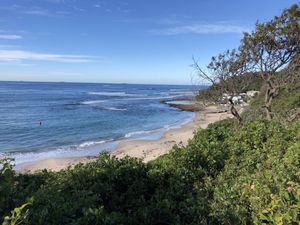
81,82
146,150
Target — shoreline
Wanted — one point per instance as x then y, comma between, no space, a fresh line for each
146,150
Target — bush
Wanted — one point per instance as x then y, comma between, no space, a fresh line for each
254,186
227,174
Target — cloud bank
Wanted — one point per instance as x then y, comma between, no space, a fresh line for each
19,55
10,37
201,28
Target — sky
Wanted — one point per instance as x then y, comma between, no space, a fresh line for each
121,41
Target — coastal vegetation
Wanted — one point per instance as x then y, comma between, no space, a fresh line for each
271,48
237,171
251,177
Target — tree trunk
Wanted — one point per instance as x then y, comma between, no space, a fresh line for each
269,96
268,105
234,112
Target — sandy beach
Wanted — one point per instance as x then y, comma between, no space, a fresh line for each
143,149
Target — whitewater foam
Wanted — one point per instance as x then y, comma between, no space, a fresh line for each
138,133
152,98
157,133
92,143
114,109
88,148
93,102
110,108
119,94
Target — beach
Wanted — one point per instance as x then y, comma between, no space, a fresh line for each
146,150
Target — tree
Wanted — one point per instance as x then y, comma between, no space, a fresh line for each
225,74
270,48
292,73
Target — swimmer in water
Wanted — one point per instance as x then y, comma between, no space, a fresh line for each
40,123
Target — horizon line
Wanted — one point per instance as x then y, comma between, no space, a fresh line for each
118,83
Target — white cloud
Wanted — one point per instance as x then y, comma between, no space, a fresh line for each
10,36
44,12
202,28
19,55
38,12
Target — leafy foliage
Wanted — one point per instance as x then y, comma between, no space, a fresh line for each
127,191
272,51
287,101
18,216
227,174
254,185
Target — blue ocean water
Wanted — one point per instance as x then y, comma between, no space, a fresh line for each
40,120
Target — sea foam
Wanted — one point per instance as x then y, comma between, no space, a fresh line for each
119,94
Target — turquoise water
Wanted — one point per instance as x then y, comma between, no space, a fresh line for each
42,120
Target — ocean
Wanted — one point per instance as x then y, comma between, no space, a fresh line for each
45,120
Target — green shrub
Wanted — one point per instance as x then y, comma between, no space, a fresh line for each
227,174
19,216
6,185
253,188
